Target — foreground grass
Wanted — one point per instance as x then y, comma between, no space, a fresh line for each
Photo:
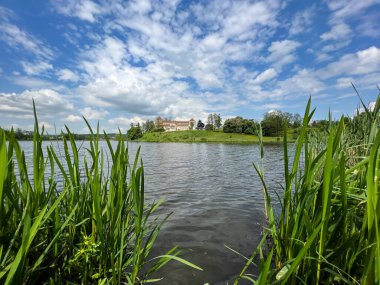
94,227
204,136
328,231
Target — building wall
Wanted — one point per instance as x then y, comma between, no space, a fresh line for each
172,126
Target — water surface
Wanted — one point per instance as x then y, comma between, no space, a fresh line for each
216,199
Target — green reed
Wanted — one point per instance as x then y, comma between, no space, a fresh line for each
94,227
328,229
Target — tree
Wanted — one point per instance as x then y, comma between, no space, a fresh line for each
273,123
19,134
134,133
148,126
200,125
191,127
297,120
217,121
214,122
210,123
233,125
209,127
250,127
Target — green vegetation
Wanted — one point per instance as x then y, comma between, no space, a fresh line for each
214,122
63,225
134,133
204,136
240,125
22,135
328,229
235,130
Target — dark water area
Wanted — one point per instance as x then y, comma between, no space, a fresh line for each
216,198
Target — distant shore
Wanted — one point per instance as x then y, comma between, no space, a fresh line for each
206,136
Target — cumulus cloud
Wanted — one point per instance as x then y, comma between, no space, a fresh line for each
73,118
361,62
48,103
36,68
337,32
93,114
114,81
139,59
85,10
367,81
282,52
265,76
304,82
67,75
124,123
348,8
32,82
301,22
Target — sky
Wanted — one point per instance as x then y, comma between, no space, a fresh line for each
119,62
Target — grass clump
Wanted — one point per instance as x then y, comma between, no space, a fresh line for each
92,227
328,229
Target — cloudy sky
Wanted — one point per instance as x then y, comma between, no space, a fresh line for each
126,61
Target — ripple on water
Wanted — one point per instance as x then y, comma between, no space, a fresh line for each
216,199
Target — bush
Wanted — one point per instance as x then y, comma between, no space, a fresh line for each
159,130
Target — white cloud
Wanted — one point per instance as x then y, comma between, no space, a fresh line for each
16,37
305,82
368,81
93,114
266,75
244,15
335,46
165,58
67,75
369,26
73,118
348,8
124,123
282,52
34,82
36,68
338,32
213,42
48,103
361,62
46,125
105,58
178,46
301,22
85,10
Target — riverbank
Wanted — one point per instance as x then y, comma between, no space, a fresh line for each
204,136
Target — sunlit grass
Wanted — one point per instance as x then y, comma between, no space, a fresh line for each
206,136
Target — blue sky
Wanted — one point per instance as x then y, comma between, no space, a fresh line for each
128,61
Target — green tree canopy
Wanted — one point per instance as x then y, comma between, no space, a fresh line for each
134,133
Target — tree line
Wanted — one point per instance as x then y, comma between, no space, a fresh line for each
272,124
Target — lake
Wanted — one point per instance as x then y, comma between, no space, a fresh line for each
216,199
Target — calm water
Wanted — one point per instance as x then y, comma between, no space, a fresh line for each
216,199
